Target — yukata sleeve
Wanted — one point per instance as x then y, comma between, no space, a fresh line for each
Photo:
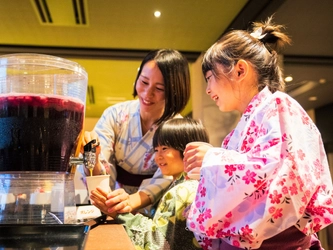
154,187
229,176
277,177
167,229
106,131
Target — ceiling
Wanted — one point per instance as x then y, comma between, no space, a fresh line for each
123,31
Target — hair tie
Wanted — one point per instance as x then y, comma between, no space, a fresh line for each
258,34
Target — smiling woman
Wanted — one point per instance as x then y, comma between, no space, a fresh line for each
126,129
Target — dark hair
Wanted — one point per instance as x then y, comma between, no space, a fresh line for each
177,132
260,48
176,74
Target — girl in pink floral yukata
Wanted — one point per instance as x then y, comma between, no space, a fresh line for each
268,186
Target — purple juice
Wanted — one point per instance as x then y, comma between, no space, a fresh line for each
38,132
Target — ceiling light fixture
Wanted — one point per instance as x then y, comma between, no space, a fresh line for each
322,80
288,78
157,14
312,98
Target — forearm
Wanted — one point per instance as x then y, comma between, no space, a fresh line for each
139,200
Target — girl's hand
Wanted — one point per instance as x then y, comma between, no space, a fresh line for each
194,154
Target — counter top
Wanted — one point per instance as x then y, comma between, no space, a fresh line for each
108,237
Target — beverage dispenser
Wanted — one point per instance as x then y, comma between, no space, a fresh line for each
42,107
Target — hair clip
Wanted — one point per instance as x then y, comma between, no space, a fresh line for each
258,34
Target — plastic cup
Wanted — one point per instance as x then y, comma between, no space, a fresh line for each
101,181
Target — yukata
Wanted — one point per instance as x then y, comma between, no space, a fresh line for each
125,149
167,229
271,174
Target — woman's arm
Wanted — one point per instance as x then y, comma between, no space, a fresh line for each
119,203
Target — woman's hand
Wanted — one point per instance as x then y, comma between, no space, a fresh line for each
194,154
98,198
117,201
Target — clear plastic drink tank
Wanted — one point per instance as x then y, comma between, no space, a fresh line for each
42,106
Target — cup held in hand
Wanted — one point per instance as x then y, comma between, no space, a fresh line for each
102,181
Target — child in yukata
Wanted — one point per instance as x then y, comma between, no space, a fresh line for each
167,228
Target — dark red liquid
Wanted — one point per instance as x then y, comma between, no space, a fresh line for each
38,133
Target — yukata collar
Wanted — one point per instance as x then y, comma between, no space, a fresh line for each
181,177
257,100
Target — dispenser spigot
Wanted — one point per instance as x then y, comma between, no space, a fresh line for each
89,156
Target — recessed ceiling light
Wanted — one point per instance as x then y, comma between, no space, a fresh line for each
322,80
312,98
288,78
157,14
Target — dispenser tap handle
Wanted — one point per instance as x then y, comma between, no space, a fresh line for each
88,147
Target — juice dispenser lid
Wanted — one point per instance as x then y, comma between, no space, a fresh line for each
39,74
36,62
